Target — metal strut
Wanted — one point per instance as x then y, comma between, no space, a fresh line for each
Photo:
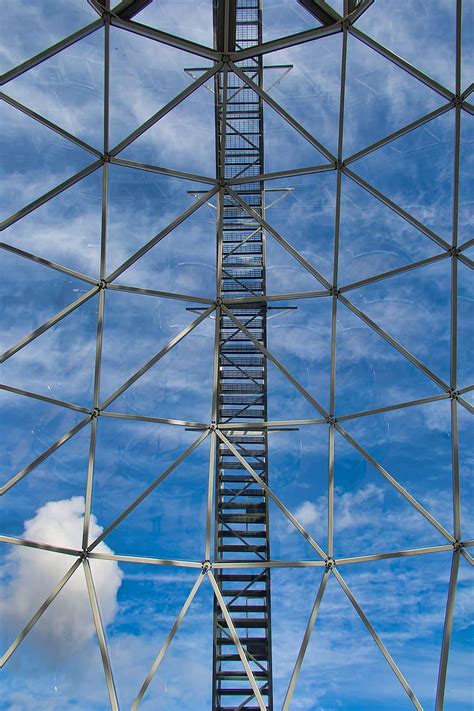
241,510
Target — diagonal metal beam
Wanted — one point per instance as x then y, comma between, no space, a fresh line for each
167,642
62,440
386,336
287,41
49,124
411,499
165,38
48,263
237,642
398,134
13,540
395,272
162,171
305,642
50,194
281,240
396,208
165,110
161,235
402,63
447,632
281,111
276,362
378,641
50,52
44,398
160,294
148,490
41,610
390,408
149,364
273,496
49,323
99,627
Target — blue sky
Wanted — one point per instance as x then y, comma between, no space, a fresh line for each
58,666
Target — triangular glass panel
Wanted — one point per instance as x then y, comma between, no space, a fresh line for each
47,504
301,209
405,599
285,148
60,362
465,345
466,179
293,593
340,657
170,521
28,33
144,76
65,229
180,385
300,339
420,37
414,445
148,602
32,294
192,20
370,373
373,238
370,515
28,427
67,89
141,204
286,18
403,170
183,139
43,159
312,98
467,44
459,692
298,475
59,662
380,98
136,328
466,484
414,308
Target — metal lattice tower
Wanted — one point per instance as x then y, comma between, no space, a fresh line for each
241,526
215,591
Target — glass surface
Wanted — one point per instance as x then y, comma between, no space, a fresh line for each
373,238
76,213
399,170
312,98
39,160
58,665
25,34
423,36
380,98
68,89
60,362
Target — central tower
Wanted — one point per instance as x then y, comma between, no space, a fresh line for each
241,509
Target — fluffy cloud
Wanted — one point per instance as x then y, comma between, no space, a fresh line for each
30,575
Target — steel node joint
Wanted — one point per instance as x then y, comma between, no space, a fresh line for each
102,284
334,291
332,421
206,566
454,394
457,545
454,252
330,563
95,413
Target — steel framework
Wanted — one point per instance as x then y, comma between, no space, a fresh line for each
237,537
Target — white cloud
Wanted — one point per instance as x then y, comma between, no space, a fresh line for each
31,574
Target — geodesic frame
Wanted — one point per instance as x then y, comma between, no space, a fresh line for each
227,62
